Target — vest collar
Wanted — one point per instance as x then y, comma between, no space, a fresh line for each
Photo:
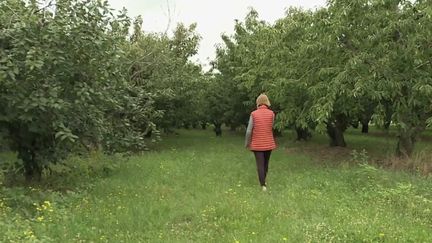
262,107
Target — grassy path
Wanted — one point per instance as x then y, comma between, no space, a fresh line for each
198,188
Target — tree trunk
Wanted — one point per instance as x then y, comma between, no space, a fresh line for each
32,171
388,115
148,134
204,125
218,129
409,133
335,132
405,145
365,118
407,139
365,126
303,134
168,131
387,124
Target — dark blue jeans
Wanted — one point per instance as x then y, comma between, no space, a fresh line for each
262,161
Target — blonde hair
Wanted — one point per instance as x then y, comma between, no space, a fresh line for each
262,100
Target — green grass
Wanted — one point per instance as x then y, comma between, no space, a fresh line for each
198,188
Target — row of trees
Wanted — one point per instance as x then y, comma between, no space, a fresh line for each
73,78
353,61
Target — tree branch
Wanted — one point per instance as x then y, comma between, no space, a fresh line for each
50,4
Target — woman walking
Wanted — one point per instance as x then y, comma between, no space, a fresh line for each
259,136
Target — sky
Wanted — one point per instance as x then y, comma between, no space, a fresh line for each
213,17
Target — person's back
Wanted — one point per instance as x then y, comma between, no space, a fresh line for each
262,131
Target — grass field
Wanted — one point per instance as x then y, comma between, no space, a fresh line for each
195,187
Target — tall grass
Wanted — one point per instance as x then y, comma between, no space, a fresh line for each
196,187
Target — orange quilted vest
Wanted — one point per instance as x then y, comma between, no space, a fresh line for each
262,131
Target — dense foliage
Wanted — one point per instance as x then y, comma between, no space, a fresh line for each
351,62
77,86
62,80
72,78
160,65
